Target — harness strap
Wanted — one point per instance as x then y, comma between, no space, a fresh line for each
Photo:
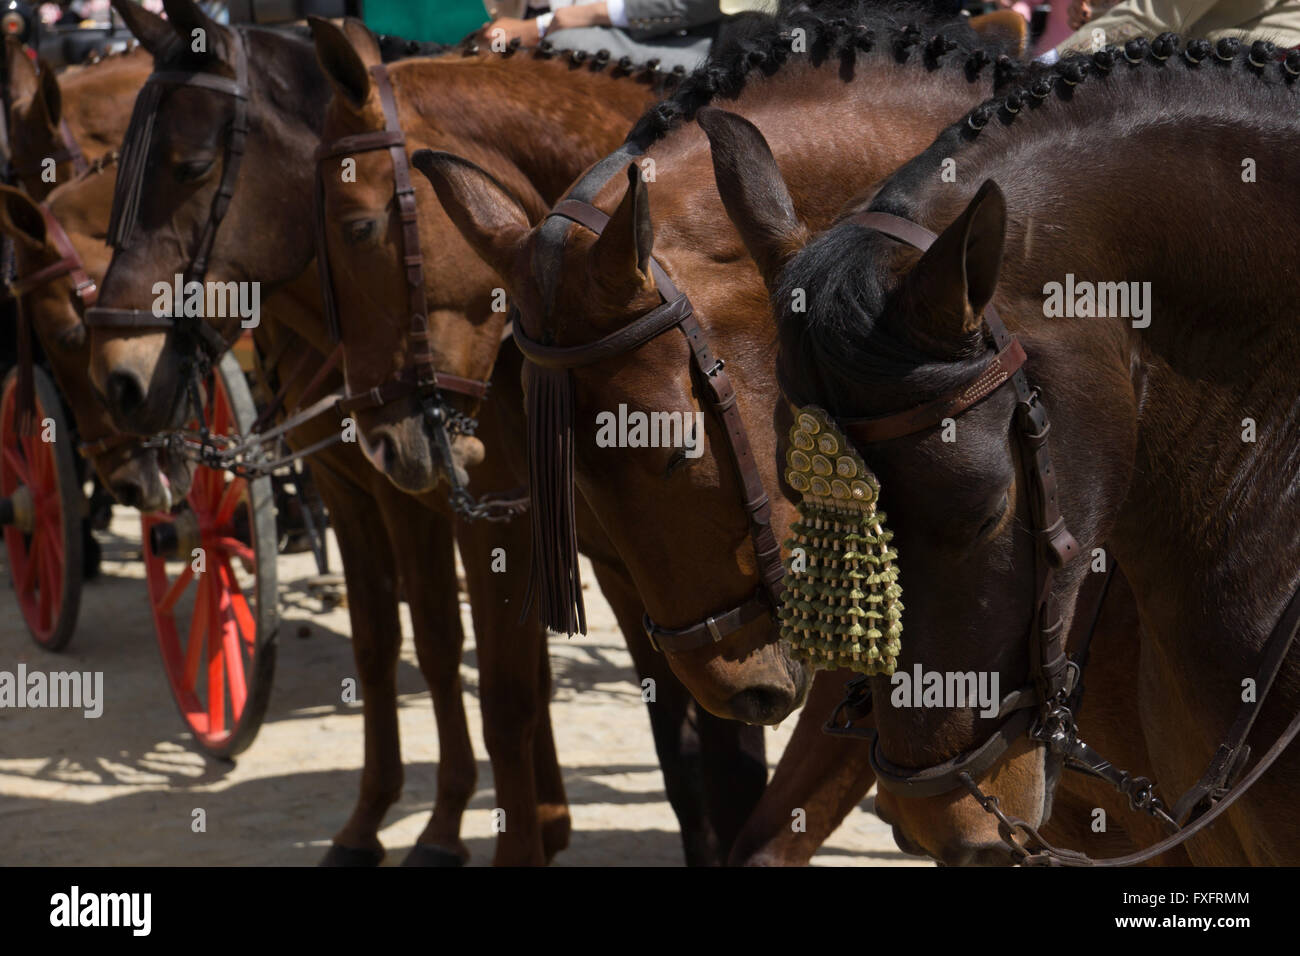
71,150
69,264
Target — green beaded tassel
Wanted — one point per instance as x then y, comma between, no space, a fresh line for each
842,608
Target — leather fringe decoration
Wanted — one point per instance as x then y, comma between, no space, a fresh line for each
553,577
129,187
25,395
843,608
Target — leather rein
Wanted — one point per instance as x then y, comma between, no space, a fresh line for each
676,312
1045,709
419,379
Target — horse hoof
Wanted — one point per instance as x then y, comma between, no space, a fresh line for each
348,856
424,855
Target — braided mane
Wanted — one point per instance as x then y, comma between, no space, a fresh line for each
846,32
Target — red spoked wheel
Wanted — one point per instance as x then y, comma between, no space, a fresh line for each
210,565
40,509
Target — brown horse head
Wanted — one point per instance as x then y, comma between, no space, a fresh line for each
870,327
175,155
375,300
137,477
677,514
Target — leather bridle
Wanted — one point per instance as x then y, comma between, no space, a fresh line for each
1045,709
708,371
419,379
203,345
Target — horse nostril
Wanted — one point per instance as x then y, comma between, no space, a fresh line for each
125,391
761,705
128,493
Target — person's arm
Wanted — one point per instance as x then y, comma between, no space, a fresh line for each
530,32
647,18
1134,18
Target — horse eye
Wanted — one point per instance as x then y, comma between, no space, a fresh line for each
677,461
992,520
192,171
359,231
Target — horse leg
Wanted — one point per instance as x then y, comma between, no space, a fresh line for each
371,576
508,684
426,556
708,805
822,775
552,801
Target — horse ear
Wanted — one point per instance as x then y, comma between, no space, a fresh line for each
50,98
154,33
362,40
753,191
624,246
341,62
492,221
23,78
1005,28
20,218
194,27
947,290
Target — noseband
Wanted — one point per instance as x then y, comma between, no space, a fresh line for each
1045,708
557,546
202,344
419,379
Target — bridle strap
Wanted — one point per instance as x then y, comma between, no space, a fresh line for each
1049,667
69,264
420,377
71,150
205,338
676,311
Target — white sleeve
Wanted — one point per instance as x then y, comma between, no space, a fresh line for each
617,10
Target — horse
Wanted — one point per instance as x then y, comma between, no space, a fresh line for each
77,124
1172,416
73,119
884,88
138,371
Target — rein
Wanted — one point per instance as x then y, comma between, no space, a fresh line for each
554,575
1056,691
419,379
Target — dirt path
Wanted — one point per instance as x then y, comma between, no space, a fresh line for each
121,789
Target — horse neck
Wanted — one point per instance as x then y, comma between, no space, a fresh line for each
97,100
1208,512
533,123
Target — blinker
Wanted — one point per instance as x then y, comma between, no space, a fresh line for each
843,608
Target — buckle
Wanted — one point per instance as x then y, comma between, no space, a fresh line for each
84,287
718,366
712,625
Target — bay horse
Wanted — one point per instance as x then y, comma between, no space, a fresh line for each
1173,423
73,119
77,122
267,237
882,90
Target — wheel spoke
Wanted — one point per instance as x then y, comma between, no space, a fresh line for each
174,590
27,575
216,667
239,606
18,464
229,500
236,547
45,582
198,624
232,651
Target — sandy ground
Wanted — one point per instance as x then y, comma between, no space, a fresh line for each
121,789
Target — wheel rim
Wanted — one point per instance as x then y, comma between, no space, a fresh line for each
206,619
36,559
